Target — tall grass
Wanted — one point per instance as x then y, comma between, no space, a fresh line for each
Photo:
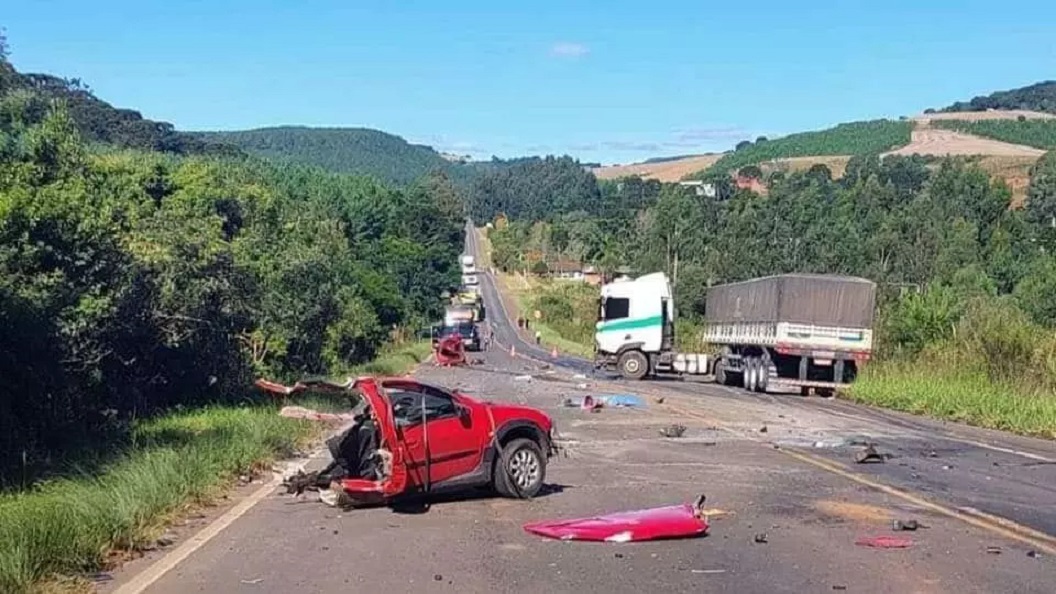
997,370
70,525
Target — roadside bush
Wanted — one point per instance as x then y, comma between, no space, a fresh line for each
570,309
918,319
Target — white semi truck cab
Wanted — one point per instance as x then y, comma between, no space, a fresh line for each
801,330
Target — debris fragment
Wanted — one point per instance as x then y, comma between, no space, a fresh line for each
906,525
579,376
673,431
438,577
1032,554
884,542
993,550
839,587
522,378
621,400
675,521
870,455
618,555
659,399
763,429
761,538
166,540
252,582
707,571
581,386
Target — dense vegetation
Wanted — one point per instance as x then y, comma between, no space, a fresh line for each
360,151
132,282
533,188
1040,133
1036,97
856,138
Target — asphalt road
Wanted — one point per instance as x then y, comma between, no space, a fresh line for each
773,485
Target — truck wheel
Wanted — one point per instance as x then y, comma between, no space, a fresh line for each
633,365
751,369
764,376
804,391
520,470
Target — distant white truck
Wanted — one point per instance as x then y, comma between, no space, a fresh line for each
469,265
801,330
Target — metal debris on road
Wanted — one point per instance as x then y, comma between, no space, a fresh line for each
252,582
522,378
673,431
579,376
1033,554
763,429
761,538
707,571
884,542
993,550
870,455
906,525
659,399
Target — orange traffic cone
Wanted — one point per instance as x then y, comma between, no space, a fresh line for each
553,353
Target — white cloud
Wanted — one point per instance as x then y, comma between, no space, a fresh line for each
568,49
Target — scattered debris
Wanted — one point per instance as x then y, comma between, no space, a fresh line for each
884,542
166,540
579,376
947,466
839,587
993,550
522,378
673,431
763,429
707,571
252,582
761,538
581,386
618,555
932,454
659,399
544,366
438,577
675,521
906,525
870,455
1033,554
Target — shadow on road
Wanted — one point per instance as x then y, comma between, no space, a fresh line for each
420,504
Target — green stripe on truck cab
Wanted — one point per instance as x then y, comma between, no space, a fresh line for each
630,324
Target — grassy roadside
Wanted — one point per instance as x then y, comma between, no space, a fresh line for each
79,524
968,397
524,291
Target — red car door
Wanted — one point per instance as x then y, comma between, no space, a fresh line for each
453,436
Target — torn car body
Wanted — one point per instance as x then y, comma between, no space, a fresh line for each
673,521
450,351
411,438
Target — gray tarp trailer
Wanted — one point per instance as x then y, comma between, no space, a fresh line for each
805,330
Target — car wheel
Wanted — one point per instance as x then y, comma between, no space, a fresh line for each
521,470
633,365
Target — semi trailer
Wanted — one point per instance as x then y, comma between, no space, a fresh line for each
808,331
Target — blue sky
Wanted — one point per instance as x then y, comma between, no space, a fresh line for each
609,81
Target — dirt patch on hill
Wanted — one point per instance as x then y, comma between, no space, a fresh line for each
666,171
939,142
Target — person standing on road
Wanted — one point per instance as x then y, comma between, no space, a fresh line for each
538,337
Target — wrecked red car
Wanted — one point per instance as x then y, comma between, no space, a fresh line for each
408,438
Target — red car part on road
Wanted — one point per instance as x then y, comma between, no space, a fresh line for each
674,521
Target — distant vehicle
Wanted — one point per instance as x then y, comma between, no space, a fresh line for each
470,280
468,265
468,331
803,330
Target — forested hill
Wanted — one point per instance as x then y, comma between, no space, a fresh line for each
100,122
1037,97
344,150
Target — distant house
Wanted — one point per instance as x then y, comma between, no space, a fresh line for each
699,187
592,276
565,269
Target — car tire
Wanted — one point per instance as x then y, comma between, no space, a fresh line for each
520,470
633,365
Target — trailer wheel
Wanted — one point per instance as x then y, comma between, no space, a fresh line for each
804,391
633,365
764,376
746,373
752,371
